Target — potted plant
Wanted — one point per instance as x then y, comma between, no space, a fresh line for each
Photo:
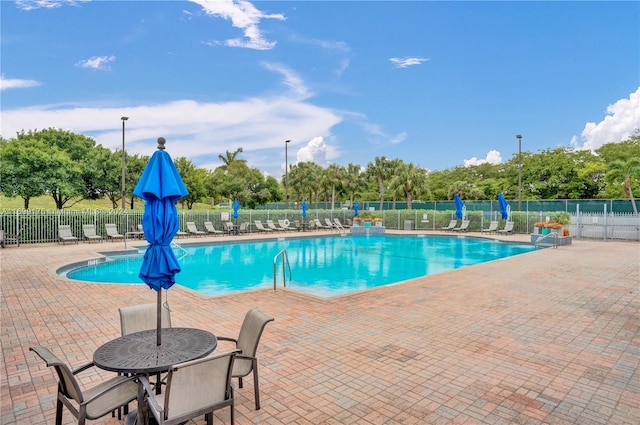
538,226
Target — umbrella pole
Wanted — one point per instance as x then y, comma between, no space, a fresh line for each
159,331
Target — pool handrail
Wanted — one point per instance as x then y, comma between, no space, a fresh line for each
285,259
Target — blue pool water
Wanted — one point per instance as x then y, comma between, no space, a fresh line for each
323,266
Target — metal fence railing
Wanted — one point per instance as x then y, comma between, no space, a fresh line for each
40,226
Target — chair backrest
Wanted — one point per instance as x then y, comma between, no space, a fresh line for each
328,221
465,224
493,225
251,331
209,226
244,226
89,230
508,226
229,225
271,225
191,226
64,231
68,384
142,317
259,224
111,229
194,386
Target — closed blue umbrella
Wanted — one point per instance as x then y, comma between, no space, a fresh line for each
236,205
161,186
459,206
304,209
355,209
504,206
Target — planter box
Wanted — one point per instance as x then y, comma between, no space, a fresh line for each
367,230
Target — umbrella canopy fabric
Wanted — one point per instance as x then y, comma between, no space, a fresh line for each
161,186
355,209
459,206
236,205
304,209
504,206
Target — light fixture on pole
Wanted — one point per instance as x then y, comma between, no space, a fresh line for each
124,164
519,137
286,173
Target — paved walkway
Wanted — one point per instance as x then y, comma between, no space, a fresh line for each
550,337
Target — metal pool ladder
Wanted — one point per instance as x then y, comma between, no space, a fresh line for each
553,235
285,259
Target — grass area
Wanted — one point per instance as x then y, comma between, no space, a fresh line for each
47,203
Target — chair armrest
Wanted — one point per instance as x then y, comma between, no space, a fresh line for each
82,368
226,338
151,396
114,385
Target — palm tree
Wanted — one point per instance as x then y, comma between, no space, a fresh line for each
410,181
230,157
620,171
334,175
352,180
380,169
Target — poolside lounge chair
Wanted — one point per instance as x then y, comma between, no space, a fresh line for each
229,228
330,224
89,231
319,224
135,232
296,225
210,229
245,227
92,403
112,231
192,229
464,227
286,225
493,227
194,388
6,238
272,226
508,228
451,226
339,224
261,227
247,341
65,235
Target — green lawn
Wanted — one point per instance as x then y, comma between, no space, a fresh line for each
47,203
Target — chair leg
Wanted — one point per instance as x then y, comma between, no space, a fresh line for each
256,390
59,411
233,401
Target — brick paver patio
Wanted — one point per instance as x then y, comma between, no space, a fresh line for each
550,337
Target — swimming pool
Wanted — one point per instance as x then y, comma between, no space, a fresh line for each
321,266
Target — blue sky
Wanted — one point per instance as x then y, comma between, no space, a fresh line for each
439,84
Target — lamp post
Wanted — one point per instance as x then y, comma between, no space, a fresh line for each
286,173
519,137
123,163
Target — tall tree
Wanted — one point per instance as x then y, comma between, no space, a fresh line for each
380,169
229,157
410,181
334,174
352,180
625,172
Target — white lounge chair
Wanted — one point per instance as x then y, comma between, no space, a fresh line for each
272,226
192,229
210,229
319,224
285,225
493,227
261,227
464,227
340,225
508,228
65,235
451,226
112,231
89,231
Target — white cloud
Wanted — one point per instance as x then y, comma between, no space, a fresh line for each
45,4
243,15
315,151
13,83
493,157
291,79
96,62
406,62
621,122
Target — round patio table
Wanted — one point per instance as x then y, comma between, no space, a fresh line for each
137,353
